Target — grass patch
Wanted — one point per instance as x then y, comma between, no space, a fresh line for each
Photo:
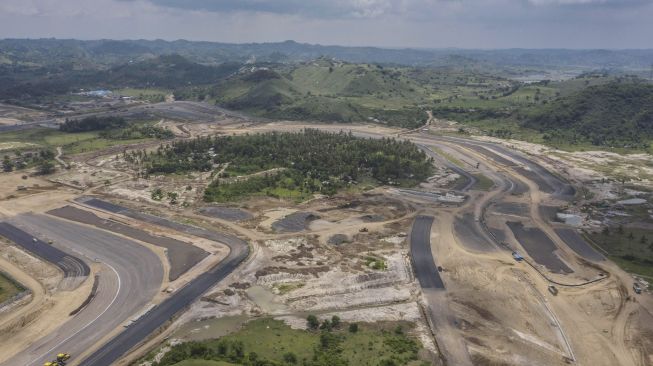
630,248
376,263
8,288
72,143
483,183
286,287
268,341
448,157
204,363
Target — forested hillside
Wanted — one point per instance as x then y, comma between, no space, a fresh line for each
618,114
25,83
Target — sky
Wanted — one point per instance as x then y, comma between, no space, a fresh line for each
612,24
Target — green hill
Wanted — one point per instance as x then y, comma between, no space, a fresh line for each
617,114
168,71
326,90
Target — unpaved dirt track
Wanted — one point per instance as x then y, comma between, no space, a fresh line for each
451,344
131,277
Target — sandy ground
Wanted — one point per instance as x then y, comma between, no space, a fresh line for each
495,310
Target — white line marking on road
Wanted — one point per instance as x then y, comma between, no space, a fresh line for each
88,324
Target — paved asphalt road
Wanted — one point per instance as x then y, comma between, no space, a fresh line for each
181,256
547,181
421,254
70,265
145,326
131,276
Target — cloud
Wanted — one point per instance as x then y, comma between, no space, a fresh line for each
389,23
313,8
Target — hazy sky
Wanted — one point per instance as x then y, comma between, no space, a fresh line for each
385,23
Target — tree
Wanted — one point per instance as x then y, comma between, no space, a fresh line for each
157,194
45,168
172,196
290,357
7,165
387,362
326,325
353,328
335,321
605,231
631,236
643,239
312,321
620,230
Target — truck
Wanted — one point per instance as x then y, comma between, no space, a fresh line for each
637,288
553,290
517,256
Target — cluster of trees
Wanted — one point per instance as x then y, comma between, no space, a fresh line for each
93,123
312,161
138,132
41,159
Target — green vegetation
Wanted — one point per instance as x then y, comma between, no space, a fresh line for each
136,132
630,248
18,160
376,263
271,342
8,288
325,90
614,114
152,95
289,184
93,124
204,363
39,143
293,165
483,183
71,143
287,287
476,88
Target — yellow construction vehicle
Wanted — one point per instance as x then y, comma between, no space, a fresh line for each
60,361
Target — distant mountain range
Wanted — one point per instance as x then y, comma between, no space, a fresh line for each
103,53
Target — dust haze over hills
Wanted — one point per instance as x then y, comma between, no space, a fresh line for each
108,52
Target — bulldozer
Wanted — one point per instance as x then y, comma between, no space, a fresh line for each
60,361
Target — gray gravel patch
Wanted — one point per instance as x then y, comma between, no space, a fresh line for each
511,208
579,245
539,246
372,218
468,232
226,213
548,212
296,221
338,239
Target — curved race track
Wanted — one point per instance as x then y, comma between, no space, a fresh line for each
130,277
156,318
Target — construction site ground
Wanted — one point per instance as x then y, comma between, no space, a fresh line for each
347,255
